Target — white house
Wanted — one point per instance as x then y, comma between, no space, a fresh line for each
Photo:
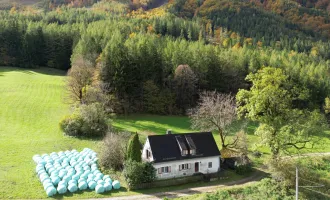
177,155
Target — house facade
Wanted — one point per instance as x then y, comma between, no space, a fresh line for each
178,155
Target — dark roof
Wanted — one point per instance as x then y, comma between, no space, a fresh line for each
166,148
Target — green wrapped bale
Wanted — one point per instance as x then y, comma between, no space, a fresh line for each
116,185
99,189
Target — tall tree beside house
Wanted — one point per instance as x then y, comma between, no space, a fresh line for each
272,101
134,149
215,111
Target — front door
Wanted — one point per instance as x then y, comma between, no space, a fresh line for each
196,166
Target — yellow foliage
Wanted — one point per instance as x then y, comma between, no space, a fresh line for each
132,35
233,35
237,46
259,43
225,42
315,51
13,10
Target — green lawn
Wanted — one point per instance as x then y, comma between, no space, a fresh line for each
31,106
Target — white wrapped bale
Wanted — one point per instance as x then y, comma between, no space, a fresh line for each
61,189
107,186
92,185
82,185
63,182
75,177
108,180
47,185
56,180
73,187
72,182
116,185
99,189
43,178
67,178
97,179
51,191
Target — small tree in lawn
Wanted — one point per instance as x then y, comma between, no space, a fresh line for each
215,111
133,148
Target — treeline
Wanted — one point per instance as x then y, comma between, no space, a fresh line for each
155,65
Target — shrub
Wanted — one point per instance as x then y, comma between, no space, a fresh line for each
86,120
137,172
113,150
134,149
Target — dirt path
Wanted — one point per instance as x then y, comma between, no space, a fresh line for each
256,176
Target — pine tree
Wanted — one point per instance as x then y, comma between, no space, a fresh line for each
133,148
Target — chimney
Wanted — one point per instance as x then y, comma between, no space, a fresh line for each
168,131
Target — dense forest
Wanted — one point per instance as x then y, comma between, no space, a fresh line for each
158,60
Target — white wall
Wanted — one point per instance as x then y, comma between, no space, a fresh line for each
144,155
175,172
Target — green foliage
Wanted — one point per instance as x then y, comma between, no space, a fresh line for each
138,172
265,189
134,149
271,101
86,120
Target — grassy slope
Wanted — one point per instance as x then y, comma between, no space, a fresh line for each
30,109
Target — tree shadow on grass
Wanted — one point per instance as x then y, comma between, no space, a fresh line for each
105,194
33,71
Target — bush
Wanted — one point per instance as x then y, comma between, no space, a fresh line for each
113,150
86,120
137,172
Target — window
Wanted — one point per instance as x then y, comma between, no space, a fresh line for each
184,152
148,153
164,170
184,166
210,164
192,151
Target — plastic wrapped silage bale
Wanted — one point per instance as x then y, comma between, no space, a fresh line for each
100,175
56,180
92,185
72,187
40,172
51,191
107,186
82,185
96,179
108,180
116,185
75,177
99,189
100,182
36,158
43,178
62,173
61,189
63,182
72,182
67,178
46,185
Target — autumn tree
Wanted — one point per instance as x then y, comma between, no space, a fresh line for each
215,111
270,101
79,77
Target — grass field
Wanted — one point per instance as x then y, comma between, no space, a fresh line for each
31,105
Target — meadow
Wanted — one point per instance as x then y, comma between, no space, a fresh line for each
31,106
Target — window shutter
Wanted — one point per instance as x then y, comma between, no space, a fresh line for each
159,170
180,167
169,169
189,165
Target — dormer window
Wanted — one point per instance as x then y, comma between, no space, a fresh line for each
191,145
183,148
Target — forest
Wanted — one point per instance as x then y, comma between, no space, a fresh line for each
157,61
